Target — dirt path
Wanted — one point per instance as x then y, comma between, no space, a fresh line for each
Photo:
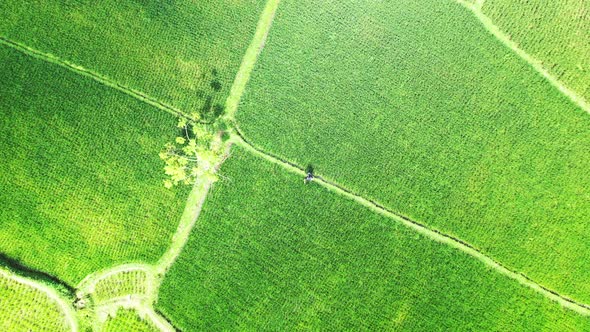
191,212
433,234
201,188
536,64
66,308
102,79
250,58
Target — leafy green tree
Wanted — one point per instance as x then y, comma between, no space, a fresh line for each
194,153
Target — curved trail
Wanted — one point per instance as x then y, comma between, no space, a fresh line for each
196,199
88,283
536,64
33,274
142,303
433,234
132,303
66,308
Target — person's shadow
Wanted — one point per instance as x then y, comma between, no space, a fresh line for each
308,173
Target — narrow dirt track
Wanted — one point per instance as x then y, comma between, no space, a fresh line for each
433,234
534,63
102,79
66,308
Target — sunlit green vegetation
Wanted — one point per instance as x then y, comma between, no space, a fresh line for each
23,308
416,105
80,178
271,253
185,53
557,33
413,104
128,321
133,282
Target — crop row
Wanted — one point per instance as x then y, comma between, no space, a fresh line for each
134,282
417,106
294,256
23,308
127,320
554,32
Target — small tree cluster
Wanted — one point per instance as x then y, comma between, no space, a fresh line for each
193,154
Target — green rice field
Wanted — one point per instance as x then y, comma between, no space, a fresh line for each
183,53
23,308
446,127
268,165
296,257
127,320
554,32
79,177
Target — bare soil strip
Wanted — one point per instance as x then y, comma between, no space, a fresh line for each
189,217
201,188
433,234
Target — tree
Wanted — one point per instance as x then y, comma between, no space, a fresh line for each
194,153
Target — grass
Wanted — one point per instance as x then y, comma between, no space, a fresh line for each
270,253
80,174
134,282
554,32
401,105
128,320
413,104
184,53
23,308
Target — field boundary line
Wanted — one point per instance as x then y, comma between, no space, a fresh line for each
433,234
201,188
123,300
192,209
67,310
534,63
102,79
90,281
137,304
250,58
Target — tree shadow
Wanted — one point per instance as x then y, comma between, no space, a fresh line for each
211,108
19,268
